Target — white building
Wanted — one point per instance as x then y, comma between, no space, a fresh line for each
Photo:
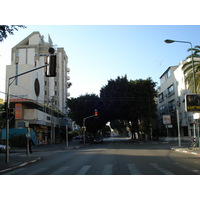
171,101
38,99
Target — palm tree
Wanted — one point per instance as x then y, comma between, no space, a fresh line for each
188,69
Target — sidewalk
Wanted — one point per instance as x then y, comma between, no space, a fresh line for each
184,149
20,159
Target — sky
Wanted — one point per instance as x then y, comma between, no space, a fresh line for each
98,53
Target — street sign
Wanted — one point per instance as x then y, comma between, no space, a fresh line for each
192,103
166,119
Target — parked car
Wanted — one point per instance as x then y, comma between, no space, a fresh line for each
78,137
3,148
87,139
98,139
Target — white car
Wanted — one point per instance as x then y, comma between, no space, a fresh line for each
3,148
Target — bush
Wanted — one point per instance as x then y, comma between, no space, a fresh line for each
18,141
72,134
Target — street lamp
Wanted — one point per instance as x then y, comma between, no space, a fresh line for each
168,41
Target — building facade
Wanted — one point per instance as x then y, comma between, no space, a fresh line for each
171,102
37,99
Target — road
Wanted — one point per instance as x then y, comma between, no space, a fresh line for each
116,156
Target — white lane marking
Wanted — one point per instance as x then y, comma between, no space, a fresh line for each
107,169
14,172
60,171
83,170
161,169
133,169
37,171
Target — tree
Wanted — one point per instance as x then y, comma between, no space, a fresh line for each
84,106
6,29
115,97
188,69
130,102
142,106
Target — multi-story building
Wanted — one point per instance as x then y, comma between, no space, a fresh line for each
38,99
171,102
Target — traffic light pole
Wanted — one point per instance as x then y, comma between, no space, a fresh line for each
84,127
8,104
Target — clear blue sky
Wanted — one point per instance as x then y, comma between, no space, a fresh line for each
98,53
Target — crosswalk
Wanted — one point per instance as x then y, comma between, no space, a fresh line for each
107,169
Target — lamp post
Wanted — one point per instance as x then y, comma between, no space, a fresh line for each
172,41
168,41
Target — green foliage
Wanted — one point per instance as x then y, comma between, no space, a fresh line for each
18,140
127,101
6,29
118,125
188,70
85,106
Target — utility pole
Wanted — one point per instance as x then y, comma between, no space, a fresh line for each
52,123
8,106
50,72
84,127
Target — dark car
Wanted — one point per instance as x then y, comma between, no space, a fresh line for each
87,139
98,139
3,148
78,137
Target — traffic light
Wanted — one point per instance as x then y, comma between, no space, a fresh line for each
10,112
96,112
51,67
51,61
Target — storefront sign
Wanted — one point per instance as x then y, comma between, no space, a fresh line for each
18,111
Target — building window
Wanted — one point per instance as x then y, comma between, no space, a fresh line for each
55,83
171,105
161,97
55,92
168,74
162,109
170,90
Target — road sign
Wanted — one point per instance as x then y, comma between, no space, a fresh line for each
166,119
192,103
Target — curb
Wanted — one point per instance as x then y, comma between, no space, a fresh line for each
184,151
21,165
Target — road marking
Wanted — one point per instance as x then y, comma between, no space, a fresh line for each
133,169
107,169
37,171
188,168
83,170
60,171
15,171
164,171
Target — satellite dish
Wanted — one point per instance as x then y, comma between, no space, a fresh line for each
51,50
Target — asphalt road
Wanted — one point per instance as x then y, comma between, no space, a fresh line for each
116,156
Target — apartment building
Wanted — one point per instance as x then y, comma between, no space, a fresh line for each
37,99
171,102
